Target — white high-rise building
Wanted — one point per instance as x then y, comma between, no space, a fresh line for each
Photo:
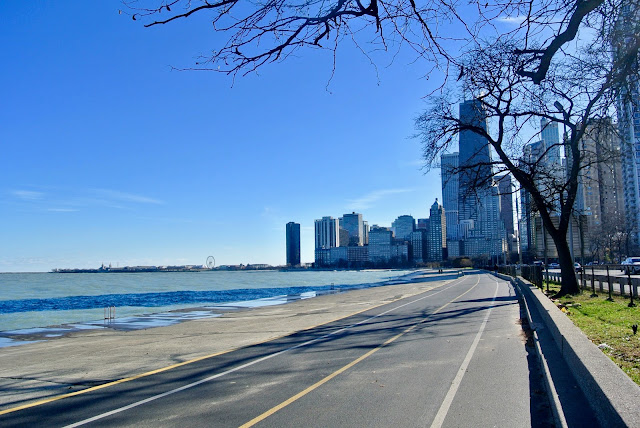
327,233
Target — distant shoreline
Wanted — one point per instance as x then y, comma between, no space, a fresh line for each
134,269
189,268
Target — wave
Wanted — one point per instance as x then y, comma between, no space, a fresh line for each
162,299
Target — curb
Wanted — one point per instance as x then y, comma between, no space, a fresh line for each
613,397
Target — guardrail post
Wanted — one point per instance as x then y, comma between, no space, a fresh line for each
609,282
546,268
109,313
631,304
593,283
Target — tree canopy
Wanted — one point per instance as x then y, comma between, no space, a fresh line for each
439,31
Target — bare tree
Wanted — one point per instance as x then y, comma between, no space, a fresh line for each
563,61
269,31
577,92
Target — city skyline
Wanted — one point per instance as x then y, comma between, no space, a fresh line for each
112,156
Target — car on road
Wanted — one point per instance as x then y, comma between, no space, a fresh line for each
631,265
577,266
554,266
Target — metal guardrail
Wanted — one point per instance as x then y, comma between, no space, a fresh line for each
611,279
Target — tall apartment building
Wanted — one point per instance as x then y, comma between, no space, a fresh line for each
600,192
544,158
293,244
326,237
450,190
550,135
506,189
478,198
420,245
380,240
437,240
355,227
365,228
610,177
628,107
423,223
474,160
403,227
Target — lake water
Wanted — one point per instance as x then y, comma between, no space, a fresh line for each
31,301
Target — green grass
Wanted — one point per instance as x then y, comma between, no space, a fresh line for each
607,322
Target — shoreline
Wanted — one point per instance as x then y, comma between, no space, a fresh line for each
190,311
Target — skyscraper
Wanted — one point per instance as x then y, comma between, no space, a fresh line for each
478,199
628,107
380,240
506,189
437,240
450,190
551,137
354,225
293,244
403,226
326,237
474,159
600,188
420,245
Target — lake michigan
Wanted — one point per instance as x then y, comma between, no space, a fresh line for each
30,301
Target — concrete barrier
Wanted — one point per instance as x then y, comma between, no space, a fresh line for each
611,394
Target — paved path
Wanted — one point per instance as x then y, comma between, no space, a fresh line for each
443,352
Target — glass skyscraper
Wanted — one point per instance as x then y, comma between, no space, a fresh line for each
628,106
293,244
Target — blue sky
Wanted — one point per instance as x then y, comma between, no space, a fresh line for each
108,155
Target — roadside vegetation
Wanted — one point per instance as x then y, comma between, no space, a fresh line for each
608,324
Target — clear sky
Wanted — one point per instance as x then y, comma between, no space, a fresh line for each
110,156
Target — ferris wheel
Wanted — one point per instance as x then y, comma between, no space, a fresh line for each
211,262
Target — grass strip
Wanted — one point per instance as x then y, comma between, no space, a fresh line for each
608,324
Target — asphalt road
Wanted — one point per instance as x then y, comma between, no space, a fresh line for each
452,356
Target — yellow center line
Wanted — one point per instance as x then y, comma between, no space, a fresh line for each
321,382
205,357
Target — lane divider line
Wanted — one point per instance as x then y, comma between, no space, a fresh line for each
259,360
204,357
321,382
448,399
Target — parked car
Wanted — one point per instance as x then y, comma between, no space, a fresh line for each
631,265
577,266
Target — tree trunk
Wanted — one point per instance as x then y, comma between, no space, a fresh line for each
569,284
